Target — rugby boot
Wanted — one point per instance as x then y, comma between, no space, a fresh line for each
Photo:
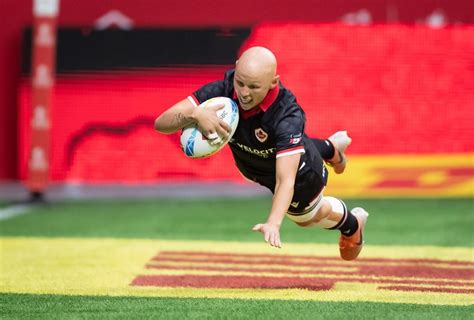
350,247
340,140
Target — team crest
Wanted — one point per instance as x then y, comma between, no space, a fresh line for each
261,135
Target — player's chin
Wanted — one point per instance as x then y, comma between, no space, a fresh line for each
247,106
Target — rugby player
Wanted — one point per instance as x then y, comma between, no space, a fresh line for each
271,148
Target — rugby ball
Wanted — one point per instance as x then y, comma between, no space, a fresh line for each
194,144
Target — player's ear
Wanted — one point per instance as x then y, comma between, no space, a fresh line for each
275,81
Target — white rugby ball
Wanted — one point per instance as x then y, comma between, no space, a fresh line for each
194,144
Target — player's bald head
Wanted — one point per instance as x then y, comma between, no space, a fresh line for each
255,75
257,62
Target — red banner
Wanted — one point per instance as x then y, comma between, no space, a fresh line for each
397,90
146,13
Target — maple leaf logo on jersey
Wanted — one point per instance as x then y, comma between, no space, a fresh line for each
295,138
261,135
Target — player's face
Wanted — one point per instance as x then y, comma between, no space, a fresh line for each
251,89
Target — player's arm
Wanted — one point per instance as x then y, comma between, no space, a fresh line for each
177,117
286,169
185,112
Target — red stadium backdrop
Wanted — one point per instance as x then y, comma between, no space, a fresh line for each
397,89
90,14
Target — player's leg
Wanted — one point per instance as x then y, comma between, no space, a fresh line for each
332,213
333,150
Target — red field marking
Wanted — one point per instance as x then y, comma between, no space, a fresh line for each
396,271
425,289
233,282
313,274
307,272
241,282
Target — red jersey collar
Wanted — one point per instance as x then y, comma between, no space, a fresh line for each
269,99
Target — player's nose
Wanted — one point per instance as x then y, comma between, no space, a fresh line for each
244,92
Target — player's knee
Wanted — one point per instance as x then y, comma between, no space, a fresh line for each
330,213
325,209
334,205
304,224
326,214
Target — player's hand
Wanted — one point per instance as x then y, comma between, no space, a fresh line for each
210,125
271,233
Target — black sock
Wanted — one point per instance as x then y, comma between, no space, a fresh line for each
325,148
348,224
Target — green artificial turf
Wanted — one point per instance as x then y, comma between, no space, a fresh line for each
441,222
445,222
23,306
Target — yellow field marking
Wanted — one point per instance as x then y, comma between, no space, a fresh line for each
74,266
407,175
368,292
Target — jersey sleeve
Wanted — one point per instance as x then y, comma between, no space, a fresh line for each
289,134
208,91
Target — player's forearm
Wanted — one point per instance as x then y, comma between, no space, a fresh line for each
177,117
281,201
170,122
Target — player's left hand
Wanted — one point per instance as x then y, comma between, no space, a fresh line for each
271,233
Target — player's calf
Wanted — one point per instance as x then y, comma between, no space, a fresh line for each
332,213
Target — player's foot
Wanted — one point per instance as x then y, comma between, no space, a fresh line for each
340,140
350,247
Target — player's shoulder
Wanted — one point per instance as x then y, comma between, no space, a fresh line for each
228,81
288,98
217,88
229,75
286,113
287,103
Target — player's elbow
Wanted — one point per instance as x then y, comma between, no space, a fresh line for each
160,126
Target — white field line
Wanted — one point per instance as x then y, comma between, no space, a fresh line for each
14,211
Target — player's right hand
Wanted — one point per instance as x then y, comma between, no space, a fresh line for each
210,125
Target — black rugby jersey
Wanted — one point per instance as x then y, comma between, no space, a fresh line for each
274,128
